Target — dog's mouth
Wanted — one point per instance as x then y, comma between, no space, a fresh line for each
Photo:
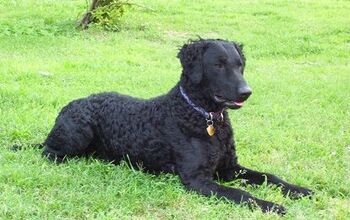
229,103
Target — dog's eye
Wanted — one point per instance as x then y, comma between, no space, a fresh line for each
219,65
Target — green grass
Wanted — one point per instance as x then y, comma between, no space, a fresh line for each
298,118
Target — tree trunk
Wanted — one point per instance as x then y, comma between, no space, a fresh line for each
86,20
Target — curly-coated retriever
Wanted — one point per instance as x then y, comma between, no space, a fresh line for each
186,131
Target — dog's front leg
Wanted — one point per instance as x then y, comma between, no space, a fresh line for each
195,165
208,187
255,177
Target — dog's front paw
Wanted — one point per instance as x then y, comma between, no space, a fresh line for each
273,207
297,192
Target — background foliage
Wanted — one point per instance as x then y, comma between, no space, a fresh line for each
107,13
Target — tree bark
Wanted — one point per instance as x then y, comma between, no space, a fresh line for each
86,20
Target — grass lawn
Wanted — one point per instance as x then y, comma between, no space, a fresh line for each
298,118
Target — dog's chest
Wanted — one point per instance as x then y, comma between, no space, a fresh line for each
217,151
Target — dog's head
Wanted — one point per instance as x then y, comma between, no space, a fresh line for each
216,67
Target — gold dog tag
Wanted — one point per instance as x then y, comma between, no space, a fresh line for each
210,130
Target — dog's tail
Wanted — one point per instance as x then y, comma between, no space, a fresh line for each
17,147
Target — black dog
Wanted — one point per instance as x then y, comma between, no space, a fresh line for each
186,131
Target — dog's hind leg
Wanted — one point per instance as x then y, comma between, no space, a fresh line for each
63,142
69,137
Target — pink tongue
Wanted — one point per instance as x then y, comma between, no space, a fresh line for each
238,103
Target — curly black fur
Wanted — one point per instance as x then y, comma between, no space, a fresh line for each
165,134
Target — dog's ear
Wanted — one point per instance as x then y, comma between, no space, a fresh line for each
239,48
191,58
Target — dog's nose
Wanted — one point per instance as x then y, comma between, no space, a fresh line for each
244,92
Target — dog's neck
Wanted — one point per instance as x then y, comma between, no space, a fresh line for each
199,95
187,116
